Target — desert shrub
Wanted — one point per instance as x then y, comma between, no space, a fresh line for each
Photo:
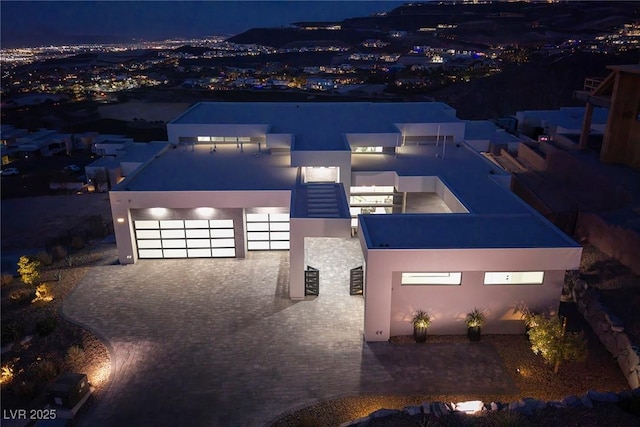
58,252
57,275
46,326
29,270
6,280
75,357
6,374
11,332
43,293
22,296
46,370
77,242
24,389
69,260
44,257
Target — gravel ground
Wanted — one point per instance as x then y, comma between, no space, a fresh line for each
94,359
528,371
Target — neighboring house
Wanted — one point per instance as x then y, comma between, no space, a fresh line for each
438,228
43,142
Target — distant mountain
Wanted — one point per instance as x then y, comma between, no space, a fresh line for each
485,24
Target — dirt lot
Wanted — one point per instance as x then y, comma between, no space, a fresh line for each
30,222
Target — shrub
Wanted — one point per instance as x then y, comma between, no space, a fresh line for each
58,252
6,374
421,319
22,296
549,339
11,332
29,270
43,293
7,279
57,275
75,357
46,326
69,260
46,370
44,257
475,318
77,242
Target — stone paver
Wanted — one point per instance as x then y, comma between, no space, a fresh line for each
218,342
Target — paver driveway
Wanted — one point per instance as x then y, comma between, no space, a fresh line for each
218,343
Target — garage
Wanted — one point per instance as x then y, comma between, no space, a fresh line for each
267,231
185,238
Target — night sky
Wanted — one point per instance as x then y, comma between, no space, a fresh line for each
33,23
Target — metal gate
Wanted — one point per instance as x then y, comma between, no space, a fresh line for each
311,281
356,281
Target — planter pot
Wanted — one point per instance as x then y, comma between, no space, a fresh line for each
474,333
420,334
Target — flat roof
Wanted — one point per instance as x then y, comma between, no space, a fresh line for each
569,117
141,151
196,168
466,231
318,125
485,130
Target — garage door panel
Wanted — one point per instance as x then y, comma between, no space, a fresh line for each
175,253
172,234
185,238
221,233
146,244
223,252
199,253
267,231
148,234
171,223
197,233
150,253
198,243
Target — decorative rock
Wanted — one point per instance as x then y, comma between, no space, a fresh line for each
517,405
495,406
633,380
381,413
412,410
360,422
623,362
426,408
586,402
556,404
573,401
535,404
598,396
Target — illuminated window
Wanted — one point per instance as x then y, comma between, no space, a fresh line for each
367,150
513,278
204,139
442,278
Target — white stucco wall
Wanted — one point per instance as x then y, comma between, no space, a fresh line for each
388,305
123,201
341,159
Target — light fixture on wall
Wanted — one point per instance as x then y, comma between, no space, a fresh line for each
120,220
205,212
158,211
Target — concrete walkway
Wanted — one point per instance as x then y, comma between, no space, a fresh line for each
218,343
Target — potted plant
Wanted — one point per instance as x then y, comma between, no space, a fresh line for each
474,320
421,321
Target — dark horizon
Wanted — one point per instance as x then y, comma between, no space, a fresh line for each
43,23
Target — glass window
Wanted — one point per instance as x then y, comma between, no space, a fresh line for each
431,278
513,277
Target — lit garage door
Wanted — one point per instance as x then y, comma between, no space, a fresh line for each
185,238
267,232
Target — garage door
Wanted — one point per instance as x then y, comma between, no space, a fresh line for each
267,232
185,238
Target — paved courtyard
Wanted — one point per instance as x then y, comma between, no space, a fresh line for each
218,343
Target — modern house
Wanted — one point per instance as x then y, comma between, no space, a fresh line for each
438,227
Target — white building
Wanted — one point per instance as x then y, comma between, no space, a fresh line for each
449,236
